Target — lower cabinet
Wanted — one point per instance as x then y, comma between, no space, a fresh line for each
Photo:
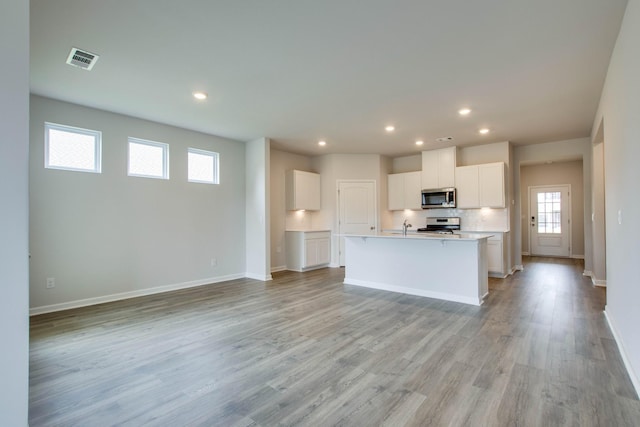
308,250
497,254
494,255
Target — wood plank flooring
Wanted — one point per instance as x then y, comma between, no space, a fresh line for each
305,349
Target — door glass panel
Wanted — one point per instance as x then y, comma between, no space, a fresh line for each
549,214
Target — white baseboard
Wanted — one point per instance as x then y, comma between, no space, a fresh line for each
525,253
518,267
635,380
332,265
412,291
596,282
280,268
261,277
132,294
577,256
498,275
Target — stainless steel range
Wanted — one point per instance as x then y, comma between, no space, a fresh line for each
441,225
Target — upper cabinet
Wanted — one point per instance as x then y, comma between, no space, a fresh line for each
404,191
480,186
302,190
438,168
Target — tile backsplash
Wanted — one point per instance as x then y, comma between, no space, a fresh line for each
298,220
484,219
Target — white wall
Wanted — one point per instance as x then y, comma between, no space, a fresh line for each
14,215
487,153
403,164
599,273
281,219
105,234
620,109
558,151
554,174
258,246
385,216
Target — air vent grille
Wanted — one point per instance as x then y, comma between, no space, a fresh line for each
82,59
445,139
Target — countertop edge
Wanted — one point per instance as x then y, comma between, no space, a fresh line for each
464,237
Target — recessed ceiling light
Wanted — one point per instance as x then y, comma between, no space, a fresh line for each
464,111
322,143
484,131
200,95
390,128
419,142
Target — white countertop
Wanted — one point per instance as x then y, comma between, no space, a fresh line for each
306,231
424,236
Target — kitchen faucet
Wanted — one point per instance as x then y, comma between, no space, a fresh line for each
405,226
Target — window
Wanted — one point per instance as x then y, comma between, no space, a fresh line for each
148,159
549,213
70,148
203,166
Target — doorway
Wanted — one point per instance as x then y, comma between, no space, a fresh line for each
549,225
356,210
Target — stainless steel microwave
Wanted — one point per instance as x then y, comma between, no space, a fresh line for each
439,198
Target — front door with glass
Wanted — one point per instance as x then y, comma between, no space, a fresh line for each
549,228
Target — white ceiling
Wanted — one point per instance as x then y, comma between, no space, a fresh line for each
298,71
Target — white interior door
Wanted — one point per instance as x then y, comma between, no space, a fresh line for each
549,224
356,210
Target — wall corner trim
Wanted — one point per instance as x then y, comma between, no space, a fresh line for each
595,281
261,277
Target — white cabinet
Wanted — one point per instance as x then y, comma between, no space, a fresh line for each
307,250
497,249
404,191
438,168
467,189
302,190
494,255
491,182
480,186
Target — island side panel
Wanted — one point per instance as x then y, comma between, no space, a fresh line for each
446,269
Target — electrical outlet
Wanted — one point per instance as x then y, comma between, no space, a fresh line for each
51,282
214,262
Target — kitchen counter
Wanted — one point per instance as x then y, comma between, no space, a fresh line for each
448,267
423,235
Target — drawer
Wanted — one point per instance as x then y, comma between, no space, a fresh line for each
316,235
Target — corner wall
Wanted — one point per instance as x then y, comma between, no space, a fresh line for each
258,246
620,108
14,215
281,219
110,236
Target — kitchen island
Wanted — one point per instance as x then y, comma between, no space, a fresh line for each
447,267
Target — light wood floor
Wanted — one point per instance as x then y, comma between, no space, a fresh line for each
305,349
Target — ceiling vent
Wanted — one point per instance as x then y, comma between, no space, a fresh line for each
82,59
445,139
